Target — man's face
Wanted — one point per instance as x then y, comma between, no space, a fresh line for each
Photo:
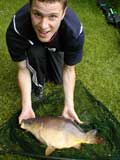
46,19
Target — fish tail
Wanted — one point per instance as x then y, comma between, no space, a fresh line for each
93,138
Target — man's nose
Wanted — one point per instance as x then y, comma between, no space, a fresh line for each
44,23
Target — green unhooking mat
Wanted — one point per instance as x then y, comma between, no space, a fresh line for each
14,140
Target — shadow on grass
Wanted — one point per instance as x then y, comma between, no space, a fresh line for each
16,141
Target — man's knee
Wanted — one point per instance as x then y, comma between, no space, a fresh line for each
36,52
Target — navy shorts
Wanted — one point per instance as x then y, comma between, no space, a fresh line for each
45,65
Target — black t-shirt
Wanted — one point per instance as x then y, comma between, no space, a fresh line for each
69,38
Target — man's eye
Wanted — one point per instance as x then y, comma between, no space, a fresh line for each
37,14
53,17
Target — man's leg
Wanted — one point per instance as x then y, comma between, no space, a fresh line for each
55,66
45,65
37,64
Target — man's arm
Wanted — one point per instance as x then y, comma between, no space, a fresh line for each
24,82
69,85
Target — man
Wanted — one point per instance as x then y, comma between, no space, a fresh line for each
45,38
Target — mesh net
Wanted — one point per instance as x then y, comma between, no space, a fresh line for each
14,140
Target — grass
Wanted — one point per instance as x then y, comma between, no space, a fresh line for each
99,70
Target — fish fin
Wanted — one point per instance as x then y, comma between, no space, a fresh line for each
77,146
92,132
49,150
93,138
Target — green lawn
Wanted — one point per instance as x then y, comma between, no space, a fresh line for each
99,70
100,67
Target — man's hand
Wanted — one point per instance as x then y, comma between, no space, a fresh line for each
70,113
26,114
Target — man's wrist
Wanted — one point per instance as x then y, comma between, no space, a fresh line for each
69,104
26,107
